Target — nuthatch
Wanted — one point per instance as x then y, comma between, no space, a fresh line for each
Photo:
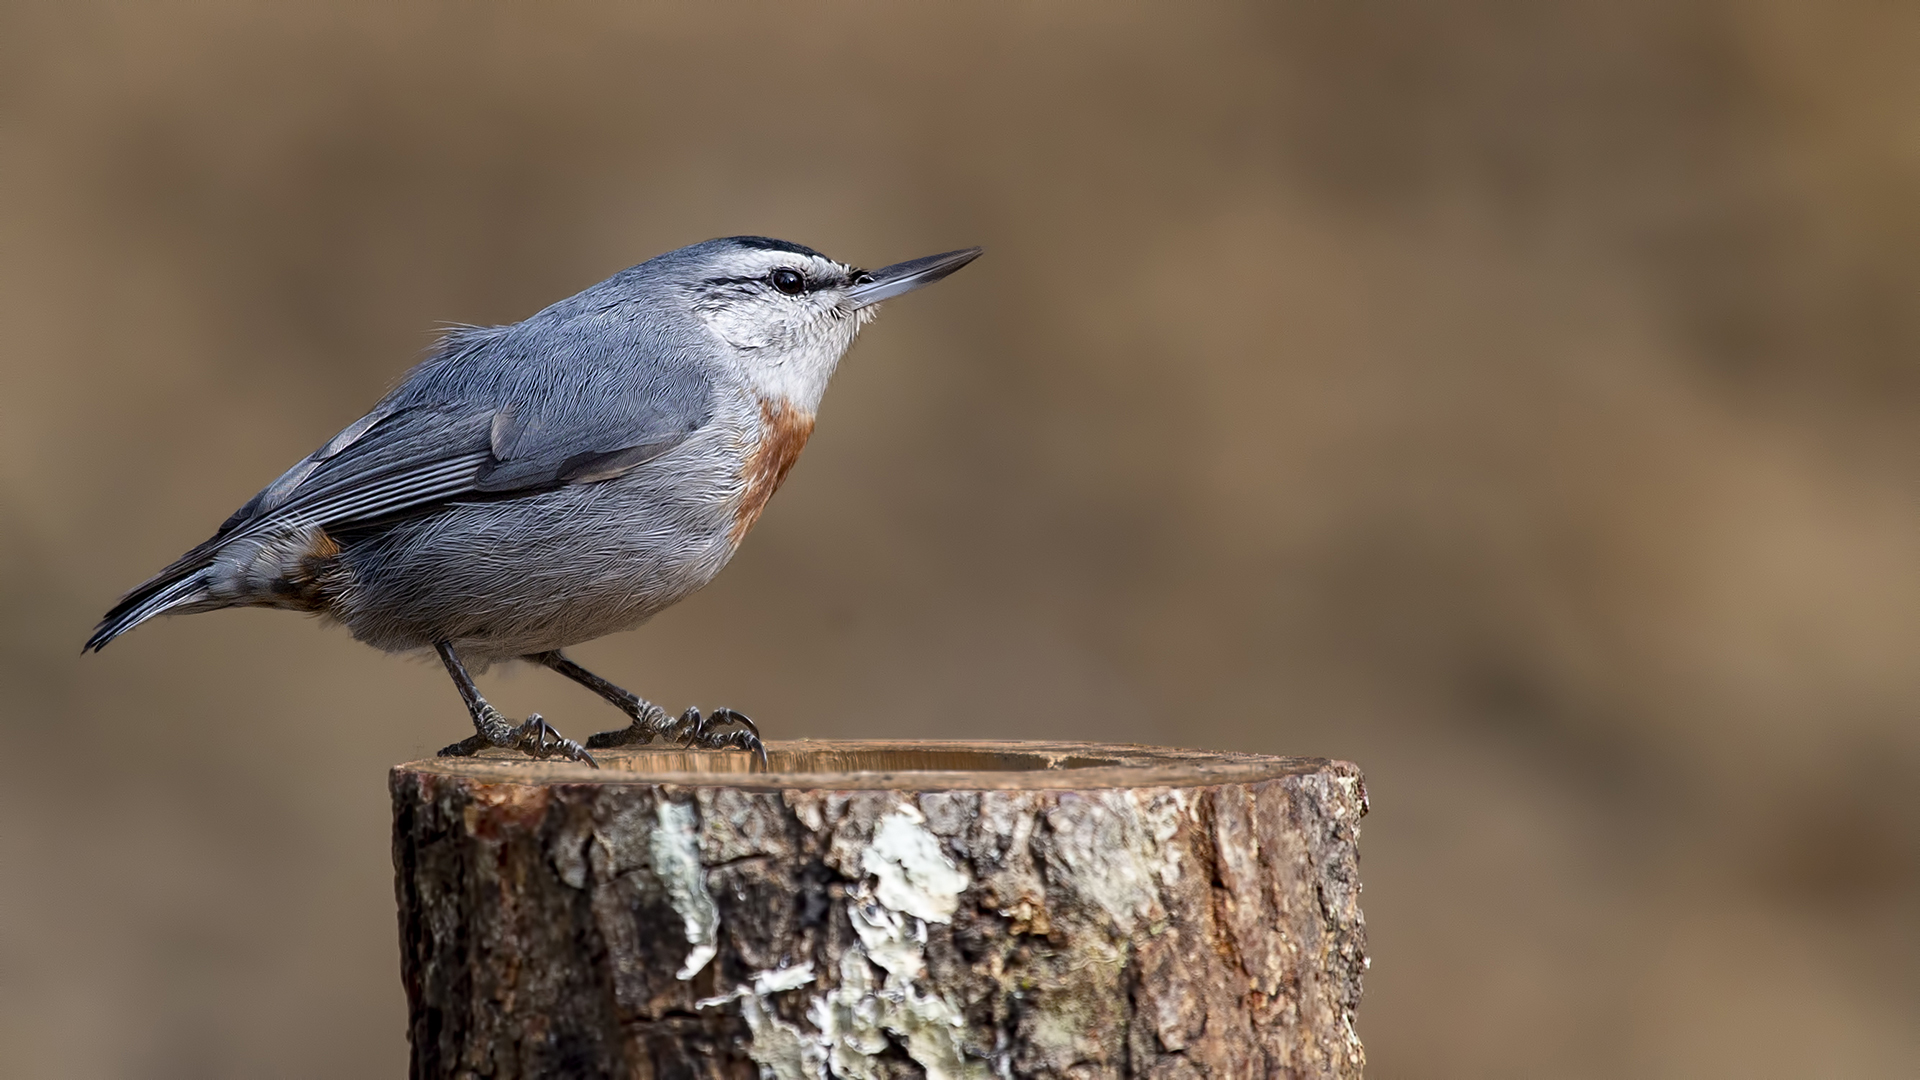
532,486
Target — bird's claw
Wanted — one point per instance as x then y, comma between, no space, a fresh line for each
722,729
649,721
538,739
535,738
709,732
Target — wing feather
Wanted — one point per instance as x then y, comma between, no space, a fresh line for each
499,412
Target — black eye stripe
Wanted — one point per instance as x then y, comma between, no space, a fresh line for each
766,280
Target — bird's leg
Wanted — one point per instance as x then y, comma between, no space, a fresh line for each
535,738
649,720
721,729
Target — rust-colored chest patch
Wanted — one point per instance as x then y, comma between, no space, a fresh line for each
783,432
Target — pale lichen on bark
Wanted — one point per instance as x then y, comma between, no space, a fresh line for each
676,862
637,929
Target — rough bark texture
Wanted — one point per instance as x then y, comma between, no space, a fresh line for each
952,910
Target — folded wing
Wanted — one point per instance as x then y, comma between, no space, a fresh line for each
445,436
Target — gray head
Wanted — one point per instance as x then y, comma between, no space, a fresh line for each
788,311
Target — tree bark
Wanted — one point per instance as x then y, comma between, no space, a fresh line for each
863,910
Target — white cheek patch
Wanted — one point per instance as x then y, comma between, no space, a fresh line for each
746,325
785,348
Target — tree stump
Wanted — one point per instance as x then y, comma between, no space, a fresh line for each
882,909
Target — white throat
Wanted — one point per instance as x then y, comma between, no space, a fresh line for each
786,363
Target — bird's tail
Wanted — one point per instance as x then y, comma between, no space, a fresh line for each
182,585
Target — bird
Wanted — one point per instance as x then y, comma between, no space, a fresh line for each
532,486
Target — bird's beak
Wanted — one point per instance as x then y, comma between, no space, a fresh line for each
889,282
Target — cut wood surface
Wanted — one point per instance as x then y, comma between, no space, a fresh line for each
862,910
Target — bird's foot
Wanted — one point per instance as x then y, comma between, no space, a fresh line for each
536,738
722,729
650,721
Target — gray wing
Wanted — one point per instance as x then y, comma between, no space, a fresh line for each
563,398
492,417
416,457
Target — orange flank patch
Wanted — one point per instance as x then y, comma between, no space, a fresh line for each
783,432
322,547
305,577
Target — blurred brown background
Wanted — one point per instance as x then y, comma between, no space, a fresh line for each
1516,399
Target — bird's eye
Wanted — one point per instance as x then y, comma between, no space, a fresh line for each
788,281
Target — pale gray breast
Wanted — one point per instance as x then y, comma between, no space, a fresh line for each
543,571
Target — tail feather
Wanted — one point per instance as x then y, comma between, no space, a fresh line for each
175,589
